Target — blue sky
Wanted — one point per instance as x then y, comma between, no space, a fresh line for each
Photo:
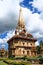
27,4
33,17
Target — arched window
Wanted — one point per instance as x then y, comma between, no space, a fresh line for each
27,52
23,52
23,43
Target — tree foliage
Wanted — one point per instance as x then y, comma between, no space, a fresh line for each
41,43
38,50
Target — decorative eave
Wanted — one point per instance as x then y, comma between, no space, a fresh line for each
21,37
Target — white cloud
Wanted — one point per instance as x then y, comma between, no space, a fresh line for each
9,11
37,4
37,19
9,5
37,43
2,45
1,40
34,23
38,35
9,35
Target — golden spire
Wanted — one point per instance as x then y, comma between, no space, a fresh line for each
21,20
20,26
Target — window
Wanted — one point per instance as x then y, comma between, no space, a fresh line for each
27,43
31,44
23,43
27,52
23,51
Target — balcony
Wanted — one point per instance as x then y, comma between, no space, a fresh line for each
22,46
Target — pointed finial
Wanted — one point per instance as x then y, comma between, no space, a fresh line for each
20,9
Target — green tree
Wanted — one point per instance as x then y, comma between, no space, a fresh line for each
41,43
38,49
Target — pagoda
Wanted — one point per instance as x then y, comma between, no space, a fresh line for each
22,43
